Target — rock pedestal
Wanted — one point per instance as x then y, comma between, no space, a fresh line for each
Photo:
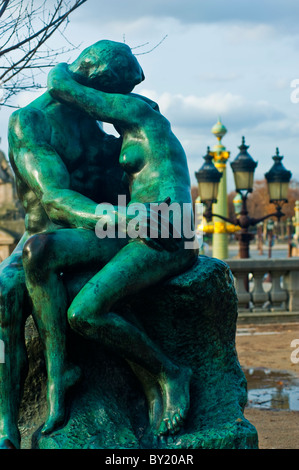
192,317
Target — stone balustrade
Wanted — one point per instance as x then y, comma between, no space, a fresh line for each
266,285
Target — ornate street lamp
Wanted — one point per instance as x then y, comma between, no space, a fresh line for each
243,168
278,179
208,178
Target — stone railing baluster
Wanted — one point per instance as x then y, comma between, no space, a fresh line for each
281,295
244,296
259,296
278,296
291,283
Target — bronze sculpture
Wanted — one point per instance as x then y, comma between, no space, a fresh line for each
88,290
153,161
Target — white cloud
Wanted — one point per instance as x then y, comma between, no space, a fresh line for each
278,12
264,126
191,111
244,33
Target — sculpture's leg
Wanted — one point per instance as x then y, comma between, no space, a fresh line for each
44,257
13,306
50,305
133,268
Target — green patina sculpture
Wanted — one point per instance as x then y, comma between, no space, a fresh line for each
135,322
155,164
60,157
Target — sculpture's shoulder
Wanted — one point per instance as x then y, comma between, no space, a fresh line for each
28,123
150,102
25,116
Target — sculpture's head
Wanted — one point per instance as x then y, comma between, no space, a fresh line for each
108,66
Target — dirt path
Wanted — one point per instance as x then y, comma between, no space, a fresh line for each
269,346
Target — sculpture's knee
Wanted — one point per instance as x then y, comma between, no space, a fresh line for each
86,323
76,321
36,255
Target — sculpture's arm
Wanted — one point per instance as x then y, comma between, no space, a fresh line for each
38,164
116,109
108,107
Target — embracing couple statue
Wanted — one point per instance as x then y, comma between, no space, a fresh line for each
65,165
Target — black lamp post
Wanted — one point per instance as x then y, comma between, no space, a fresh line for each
243,168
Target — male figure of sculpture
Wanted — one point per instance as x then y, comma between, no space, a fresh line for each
48,139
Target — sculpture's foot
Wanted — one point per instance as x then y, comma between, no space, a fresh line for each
176,397
57,389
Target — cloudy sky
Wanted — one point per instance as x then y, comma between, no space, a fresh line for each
233,59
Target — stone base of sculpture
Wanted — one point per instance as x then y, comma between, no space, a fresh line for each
193,318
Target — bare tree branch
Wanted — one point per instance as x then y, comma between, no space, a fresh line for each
153,48
25,28
4,6
51,23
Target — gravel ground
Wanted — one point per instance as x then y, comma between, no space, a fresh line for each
268,347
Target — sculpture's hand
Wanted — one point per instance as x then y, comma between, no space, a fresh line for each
155,229
58,77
